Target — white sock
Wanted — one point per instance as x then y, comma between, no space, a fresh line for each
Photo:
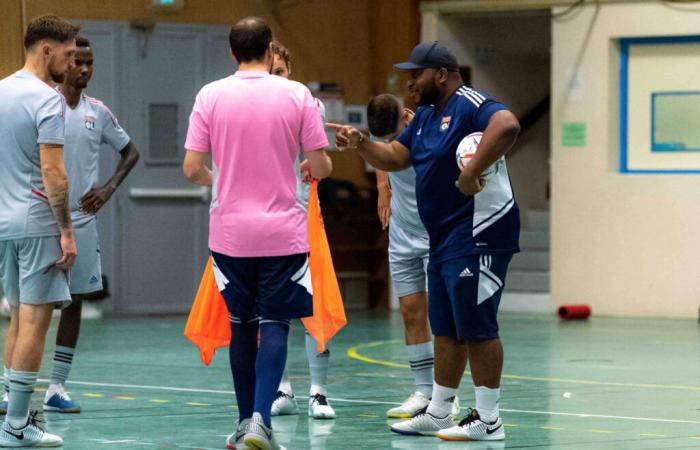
441,402
316,389
285,384
487,402
421,358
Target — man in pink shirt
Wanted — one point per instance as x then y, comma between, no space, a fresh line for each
254,124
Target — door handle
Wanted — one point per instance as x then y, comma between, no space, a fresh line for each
202,193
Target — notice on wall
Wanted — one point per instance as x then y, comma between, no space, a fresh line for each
573,134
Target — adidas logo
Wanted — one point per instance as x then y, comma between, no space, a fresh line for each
466,273
93,280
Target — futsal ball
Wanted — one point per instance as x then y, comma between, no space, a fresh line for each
466,150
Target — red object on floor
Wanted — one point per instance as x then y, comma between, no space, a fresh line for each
569,312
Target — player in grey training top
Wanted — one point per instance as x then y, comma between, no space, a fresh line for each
408,254
90,127
37,247
285,402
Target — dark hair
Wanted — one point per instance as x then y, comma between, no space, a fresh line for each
383,114
49,27
249,39
81,41
282,51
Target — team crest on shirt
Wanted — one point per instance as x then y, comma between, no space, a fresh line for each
445,123
90,123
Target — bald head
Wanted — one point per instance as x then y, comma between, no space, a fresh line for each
250,38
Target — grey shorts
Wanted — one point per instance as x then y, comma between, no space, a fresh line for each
26,273
408,260
86,275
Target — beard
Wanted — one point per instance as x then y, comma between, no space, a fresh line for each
56,76
429,95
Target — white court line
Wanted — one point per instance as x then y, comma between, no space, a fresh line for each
601,416
374,402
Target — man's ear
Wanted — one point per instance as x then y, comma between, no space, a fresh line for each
406,115
443,75
233,56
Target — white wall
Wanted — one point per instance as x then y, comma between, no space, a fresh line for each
509,55
625,244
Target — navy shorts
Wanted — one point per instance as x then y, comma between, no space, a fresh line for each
464,296
275,287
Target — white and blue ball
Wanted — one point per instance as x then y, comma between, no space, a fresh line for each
466,151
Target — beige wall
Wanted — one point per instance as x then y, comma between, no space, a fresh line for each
514,68
625,244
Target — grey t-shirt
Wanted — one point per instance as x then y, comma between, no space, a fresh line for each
304,189
404,208
31,113
90,125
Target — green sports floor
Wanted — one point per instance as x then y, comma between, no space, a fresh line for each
603,384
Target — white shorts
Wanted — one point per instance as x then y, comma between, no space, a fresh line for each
408,260
86,275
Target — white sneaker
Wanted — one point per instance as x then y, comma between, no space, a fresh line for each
410,407
284,405
319,408
235,441
259,437
423,424
472,428
31,435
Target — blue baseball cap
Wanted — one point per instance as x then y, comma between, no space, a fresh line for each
430,55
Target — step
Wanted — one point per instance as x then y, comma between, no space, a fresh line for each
531,260
527,281
538,219
534,239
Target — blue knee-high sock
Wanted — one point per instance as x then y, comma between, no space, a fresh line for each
242,354
269,367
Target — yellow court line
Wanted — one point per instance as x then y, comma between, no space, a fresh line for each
155,400
510,425
371,416
553,428
353,352
124,397
600,431
198,404
652,435
93,395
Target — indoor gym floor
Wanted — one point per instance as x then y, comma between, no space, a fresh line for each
603,384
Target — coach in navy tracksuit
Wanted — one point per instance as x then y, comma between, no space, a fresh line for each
473,224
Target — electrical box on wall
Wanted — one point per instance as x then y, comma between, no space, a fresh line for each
166,5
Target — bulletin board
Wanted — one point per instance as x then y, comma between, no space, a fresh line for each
660,105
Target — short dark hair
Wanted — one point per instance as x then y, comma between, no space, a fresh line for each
383,114
282,51
249,39
49,27
82,41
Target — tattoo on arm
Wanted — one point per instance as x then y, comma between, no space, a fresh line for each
58,199
56,183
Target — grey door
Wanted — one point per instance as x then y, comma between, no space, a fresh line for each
155,233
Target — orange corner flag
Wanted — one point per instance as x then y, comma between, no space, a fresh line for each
208,324
329,312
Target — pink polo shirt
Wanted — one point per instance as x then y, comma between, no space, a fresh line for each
255,124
